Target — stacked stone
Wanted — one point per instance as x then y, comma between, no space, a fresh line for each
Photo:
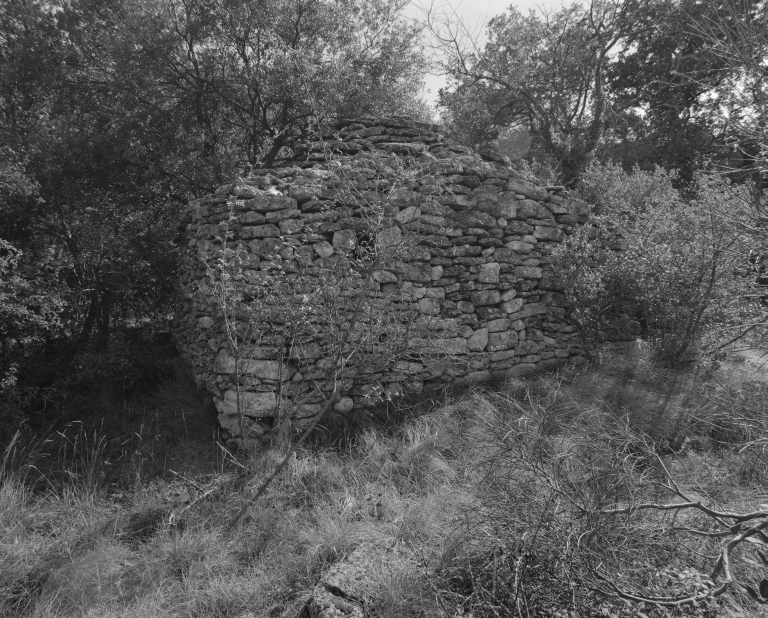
481,276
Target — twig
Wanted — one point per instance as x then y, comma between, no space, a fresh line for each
186,480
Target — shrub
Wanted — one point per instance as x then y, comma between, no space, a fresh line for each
31,308
658,263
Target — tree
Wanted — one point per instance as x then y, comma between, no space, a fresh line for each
736,34
256,73
115,113
667,80
544,73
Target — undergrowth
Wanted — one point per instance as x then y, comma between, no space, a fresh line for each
490,500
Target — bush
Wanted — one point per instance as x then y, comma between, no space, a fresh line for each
31,315
658,263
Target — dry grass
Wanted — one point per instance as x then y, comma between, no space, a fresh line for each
476,498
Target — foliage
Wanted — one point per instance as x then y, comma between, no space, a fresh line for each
478,499
113,114
32,314
333,309
736,37
662,83
542,73
591,488
659,264
669,83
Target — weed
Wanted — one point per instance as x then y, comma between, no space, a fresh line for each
494,501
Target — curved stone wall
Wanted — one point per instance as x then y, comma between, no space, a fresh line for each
481,274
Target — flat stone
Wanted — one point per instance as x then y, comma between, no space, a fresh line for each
260,231
512,306
528,347
252,218
306,351
481,220
304,193
243,192
267,248
389,238
502,341
408,214
532,309
489,273
530,209
548,233
251,404
506,207
485,297
247,364
350,584
496,326
507,256
323,249
489,313
413,386
291,226
429,306
419,272
577,207
487,193
435,220
478,340
408,367
437,272
520,369
508,295
384,276
282,215
344,240
432,323
528,189
388,288
417,291
529,272
451,347
502,355
457,201
344,405
267,203
518,246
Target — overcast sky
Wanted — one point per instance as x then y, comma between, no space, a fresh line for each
474,14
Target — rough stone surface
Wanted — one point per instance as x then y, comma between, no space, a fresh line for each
344,405
478,340
347,587
476,285
489,273
324,249
252,404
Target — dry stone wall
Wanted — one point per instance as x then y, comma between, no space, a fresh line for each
479,277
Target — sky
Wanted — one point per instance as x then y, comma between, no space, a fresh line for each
473,14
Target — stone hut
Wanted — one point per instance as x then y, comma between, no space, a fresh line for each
478,279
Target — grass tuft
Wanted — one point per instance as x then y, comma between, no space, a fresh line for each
481,500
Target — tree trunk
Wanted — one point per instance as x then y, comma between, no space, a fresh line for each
90,318
105,307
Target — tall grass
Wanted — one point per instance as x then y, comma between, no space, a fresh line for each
480,501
